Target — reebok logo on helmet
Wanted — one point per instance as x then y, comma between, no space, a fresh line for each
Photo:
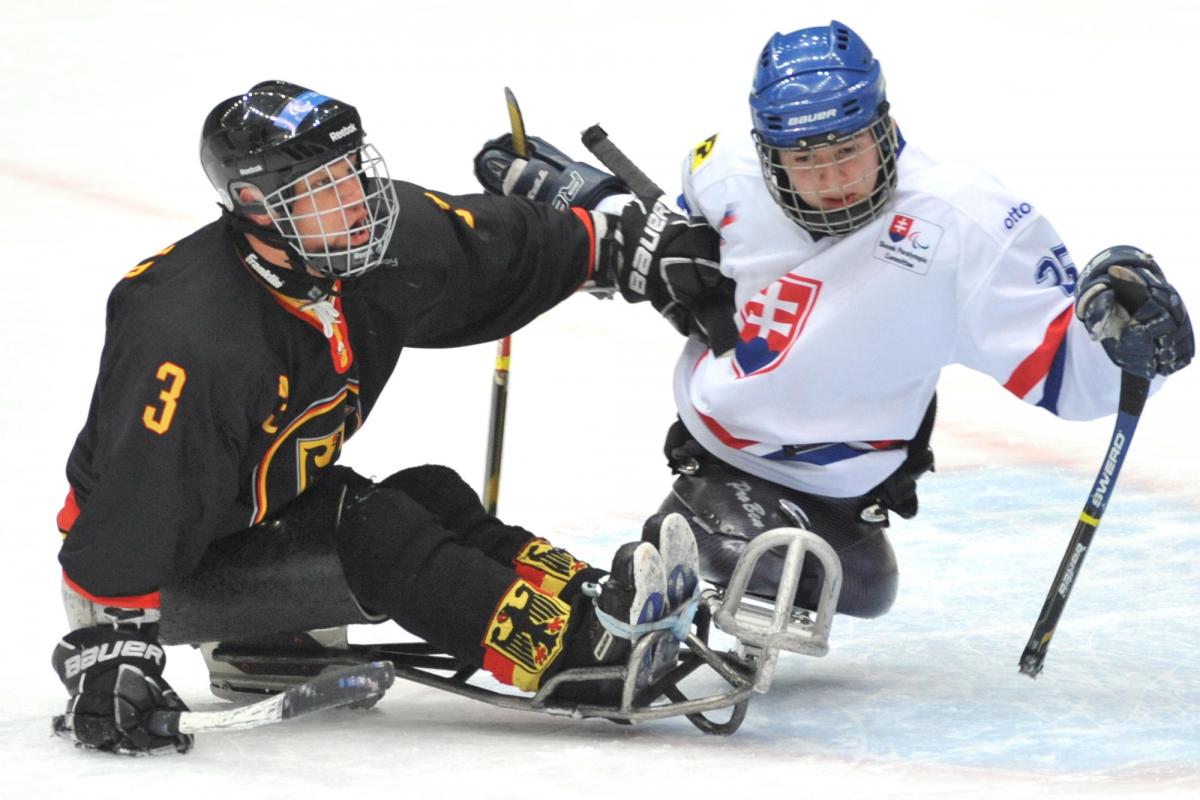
342,133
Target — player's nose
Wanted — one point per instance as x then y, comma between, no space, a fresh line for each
350,191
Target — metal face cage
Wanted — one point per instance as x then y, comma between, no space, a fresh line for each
341,215
833,185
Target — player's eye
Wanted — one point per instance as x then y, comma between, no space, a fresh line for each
311,183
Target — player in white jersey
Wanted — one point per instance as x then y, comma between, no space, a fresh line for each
862,267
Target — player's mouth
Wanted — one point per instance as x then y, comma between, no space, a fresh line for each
835,203
360,231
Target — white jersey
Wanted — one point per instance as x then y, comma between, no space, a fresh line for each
842,339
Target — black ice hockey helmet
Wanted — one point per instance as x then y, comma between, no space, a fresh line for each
274,135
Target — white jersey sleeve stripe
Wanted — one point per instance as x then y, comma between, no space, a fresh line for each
1037,365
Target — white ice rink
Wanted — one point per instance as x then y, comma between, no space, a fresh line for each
1086,109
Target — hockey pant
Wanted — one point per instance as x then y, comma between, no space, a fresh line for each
417,547
727,507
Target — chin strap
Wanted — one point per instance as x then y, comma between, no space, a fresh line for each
297,283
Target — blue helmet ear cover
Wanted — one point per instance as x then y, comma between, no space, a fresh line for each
815,85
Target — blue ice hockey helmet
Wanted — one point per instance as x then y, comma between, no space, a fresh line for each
822,89
814,85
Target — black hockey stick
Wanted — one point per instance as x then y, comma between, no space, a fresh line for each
495,446
715,318
1133,397
596,140
328,690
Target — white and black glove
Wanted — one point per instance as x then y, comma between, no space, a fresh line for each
1139,318
662,256
547,175
114,677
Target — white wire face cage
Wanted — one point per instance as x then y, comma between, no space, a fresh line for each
836,187
341,215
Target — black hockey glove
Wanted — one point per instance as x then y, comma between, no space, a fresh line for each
114,676
547,175
1139,318
898,492
673,262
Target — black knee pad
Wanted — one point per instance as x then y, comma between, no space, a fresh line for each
454,504
404,559
381,540
437,488
728,508
280,576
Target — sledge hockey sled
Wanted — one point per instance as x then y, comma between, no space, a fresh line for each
760,630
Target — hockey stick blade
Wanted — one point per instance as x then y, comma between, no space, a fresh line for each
1133,398
328,690
516,123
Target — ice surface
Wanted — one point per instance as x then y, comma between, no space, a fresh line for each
1086,108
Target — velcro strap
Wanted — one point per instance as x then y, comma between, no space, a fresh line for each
679,621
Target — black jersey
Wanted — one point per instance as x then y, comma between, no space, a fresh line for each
219,400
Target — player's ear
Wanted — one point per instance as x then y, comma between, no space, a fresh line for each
250,205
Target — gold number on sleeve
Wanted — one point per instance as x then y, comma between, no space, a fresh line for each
467,216
158,419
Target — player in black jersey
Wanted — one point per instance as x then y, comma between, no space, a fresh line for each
205,499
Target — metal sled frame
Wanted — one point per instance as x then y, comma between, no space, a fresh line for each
760,627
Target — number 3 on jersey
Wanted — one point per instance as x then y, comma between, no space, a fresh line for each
158,418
